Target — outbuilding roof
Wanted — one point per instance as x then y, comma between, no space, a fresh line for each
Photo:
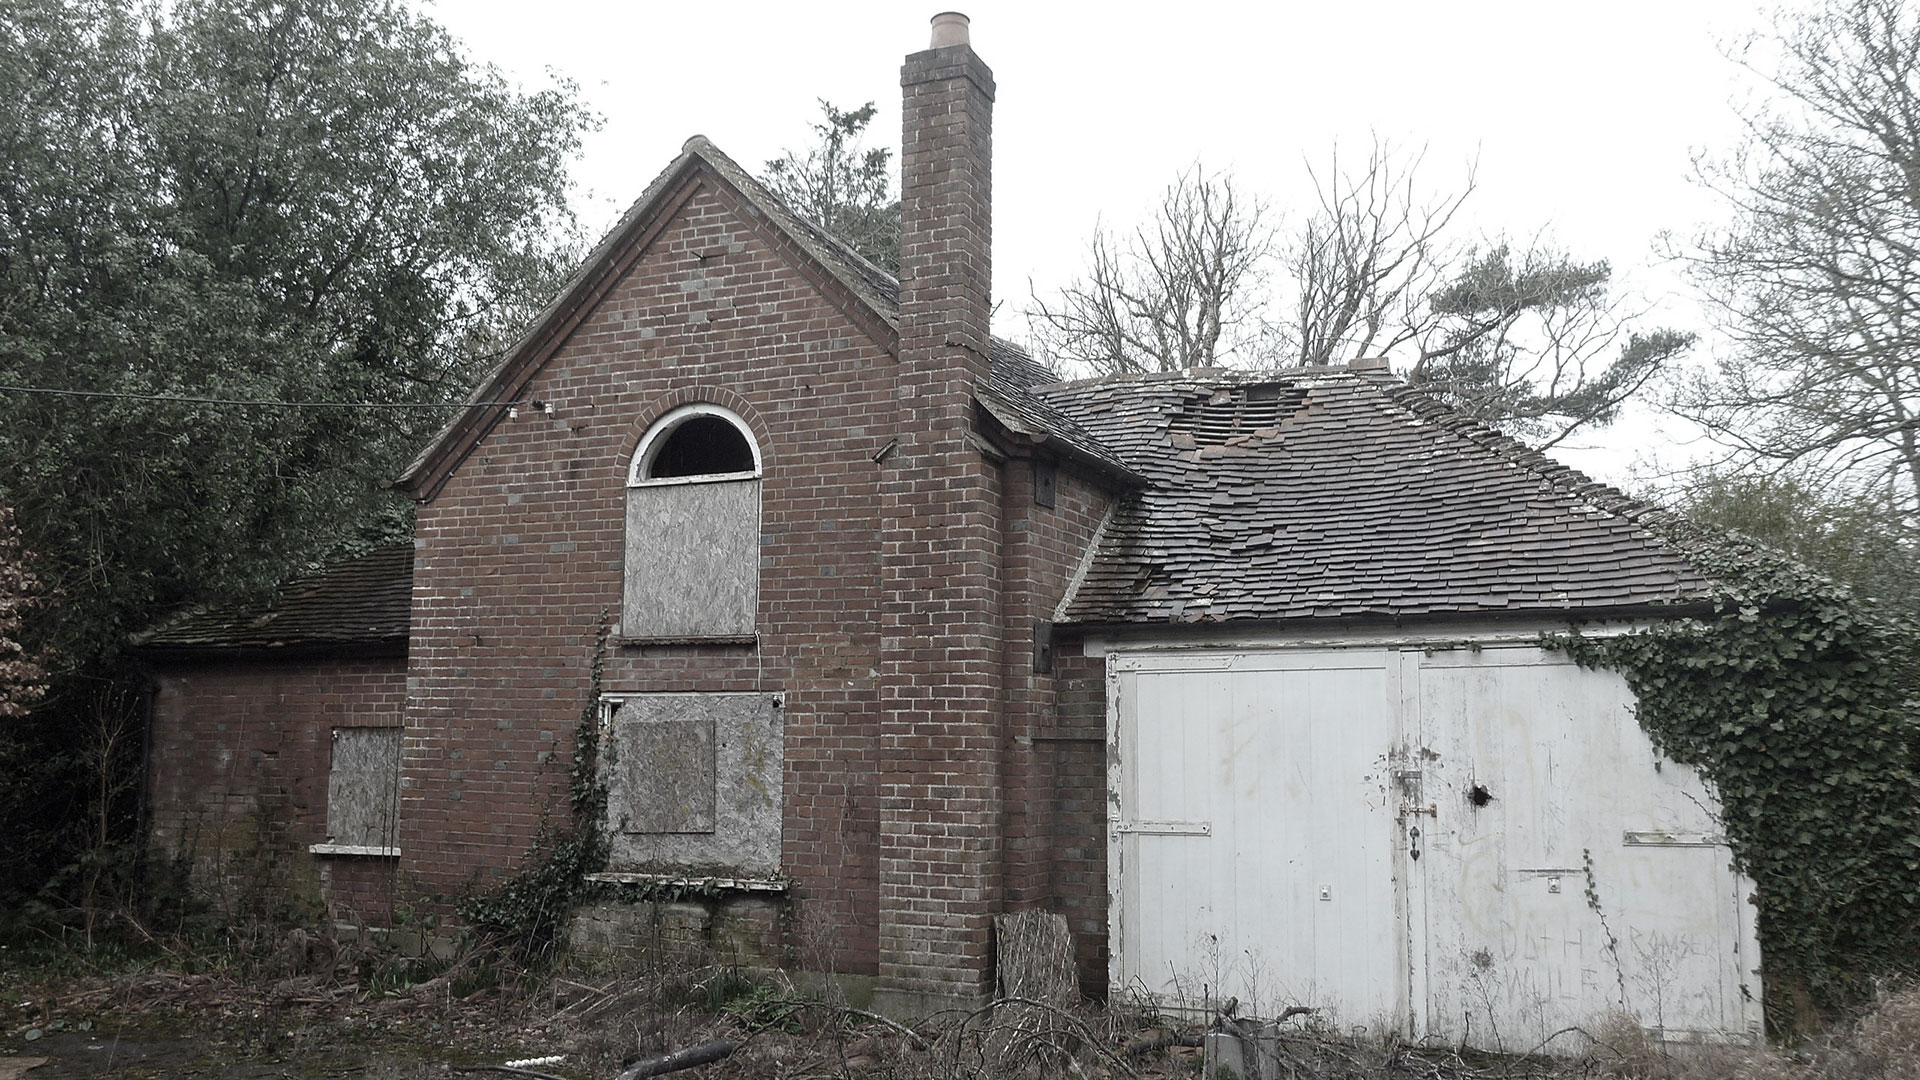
363,602
1323,493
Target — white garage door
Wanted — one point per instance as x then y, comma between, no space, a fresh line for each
1472,844
1255,838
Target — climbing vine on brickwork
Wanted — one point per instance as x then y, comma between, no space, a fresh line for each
529,911
1802,708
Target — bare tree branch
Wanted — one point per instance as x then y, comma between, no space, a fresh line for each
1182,291
1817,280
1360,269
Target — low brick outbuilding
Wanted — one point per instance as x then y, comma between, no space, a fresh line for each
885,628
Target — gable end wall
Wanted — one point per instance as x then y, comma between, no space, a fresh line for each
520,559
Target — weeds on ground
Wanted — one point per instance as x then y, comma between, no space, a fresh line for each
1884,1044
347,1007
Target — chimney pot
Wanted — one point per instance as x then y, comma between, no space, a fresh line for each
949,28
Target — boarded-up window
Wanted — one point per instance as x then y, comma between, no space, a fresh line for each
693,528
693,780
363,792
667,766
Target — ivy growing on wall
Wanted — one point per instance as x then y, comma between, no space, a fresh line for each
529,910
1802,708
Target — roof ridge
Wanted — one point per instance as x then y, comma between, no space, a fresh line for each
1372,501
873,283
1573,481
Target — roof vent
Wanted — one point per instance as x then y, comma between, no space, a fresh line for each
1231,413
1370,363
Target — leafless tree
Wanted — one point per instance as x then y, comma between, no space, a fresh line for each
1533,342
1817,278
1360,269
1182,291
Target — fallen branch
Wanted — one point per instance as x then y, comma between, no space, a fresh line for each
793,1005
1087,1034
1161,1042
704,1054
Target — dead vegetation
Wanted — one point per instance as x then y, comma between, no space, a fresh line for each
326,1008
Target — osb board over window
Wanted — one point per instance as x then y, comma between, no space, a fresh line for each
692,559
668,768
363,792
693,783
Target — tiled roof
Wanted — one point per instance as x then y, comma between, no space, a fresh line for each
1320,493
364,601
1008,393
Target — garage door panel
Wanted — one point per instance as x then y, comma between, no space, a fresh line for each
1288,896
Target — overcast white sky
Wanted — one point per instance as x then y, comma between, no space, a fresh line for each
1582,118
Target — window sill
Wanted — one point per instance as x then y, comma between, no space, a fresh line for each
717,884
748,640
374,850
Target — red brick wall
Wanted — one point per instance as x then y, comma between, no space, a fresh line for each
1076,799
1056,747
943,725
895,613
238,777
519,560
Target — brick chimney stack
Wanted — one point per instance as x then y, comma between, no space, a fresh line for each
946,195
940,650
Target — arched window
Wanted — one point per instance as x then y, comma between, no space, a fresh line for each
693,528
696,443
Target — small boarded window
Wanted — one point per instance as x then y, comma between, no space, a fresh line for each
693,781
693,529
363,793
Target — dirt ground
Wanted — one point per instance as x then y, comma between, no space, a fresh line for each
165,1024
219,1027
469,1022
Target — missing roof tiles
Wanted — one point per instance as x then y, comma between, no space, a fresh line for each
1234,413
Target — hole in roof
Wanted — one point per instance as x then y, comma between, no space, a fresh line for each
1238,411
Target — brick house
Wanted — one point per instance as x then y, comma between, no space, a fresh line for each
901,633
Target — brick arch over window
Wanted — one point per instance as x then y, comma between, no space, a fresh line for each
693,527
653,415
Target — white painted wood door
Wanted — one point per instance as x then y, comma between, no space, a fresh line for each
1575,874
1262,845
1252,838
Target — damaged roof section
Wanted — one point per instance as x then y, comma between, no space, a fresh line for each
361,605
1329,494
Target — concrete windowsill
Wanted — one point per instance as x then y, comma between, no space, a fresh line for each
727,884
689,639
374,850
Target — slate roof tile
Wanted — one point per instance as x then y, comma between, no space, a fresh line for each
361,601
1358,496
